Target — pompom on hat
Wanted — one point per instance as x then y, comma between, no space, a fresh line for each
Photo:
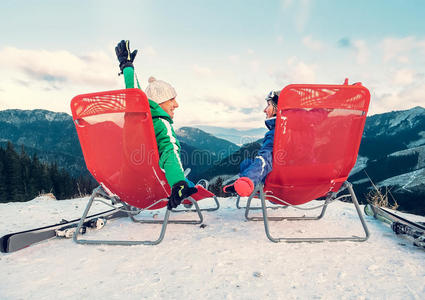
159,91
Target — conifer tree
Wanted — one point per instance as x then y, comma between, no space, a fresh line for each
22,178
25,163
13,177
3,191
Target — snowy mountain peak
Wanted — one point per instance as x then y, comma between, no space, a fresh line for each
205,141
395,122
190,131
408,116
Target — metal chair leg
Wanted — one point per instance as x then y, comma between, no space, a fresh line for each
266,220
281,218
164,222
217,206
197,209
238,206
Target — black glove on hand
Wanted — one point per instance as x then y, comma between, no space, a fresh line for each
179,192
125,57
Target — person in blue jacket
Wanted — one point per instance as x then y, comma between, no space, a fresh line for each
253,171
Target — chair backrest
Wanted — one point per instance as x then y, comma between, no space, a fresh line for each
317,138
117,138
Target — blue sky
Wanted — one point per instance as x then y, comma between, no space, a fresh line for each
222,57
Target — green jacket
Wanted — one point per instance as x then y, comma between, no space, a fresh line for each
166,139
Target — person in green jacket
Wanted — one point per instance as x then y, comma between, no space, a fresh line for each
162,103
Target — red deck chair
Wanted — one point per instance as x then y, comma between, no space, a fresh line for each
118,142
317,138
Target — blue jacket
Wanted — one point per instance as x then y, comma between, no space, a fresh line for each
257,169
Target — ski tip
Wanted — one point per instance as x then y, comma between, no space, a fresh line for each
4,241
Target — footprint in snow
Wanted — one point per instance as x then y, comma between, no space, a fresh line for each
257,274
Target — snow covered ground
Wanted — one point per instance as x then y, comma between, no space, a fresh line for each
230,258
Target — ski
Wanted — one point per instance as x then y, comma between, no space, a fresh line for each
399,225
68,231
415,224
18,240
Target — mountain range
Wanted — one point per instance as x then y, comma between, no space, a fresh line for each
49,134
237,136
52,136
392,152
218,148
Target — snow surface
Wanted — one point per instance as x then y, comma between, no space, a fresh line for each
410,182
361,163
361,181
228,259
419,142
416,150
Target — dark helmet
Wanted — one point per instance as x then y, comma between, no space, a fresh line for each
273,96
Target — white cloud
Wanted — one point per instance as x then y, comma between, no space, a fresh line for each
219,111
279,39
304,73
303,14
362,51
312,44
61,67
400,48
255,65
300,72
415,95
222,100
235,59
201,70
401,99
404,77
49,79
286,3
403,59
295,71
421,46
149,51
299,10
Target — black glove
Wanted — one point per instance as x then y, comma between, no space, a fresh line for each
125,57
179,192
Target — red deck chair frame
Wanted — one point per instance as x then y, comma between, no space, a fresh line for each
117,138
317,138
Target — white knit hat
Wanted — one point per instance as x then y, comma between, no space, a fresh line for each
159,91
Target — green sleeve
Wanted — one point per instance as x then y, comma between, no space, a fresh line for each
169,151
129,78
